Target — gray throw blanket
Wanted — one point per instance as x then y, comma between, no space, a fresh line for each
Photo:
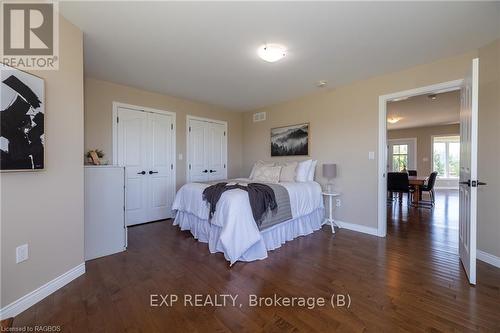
270,203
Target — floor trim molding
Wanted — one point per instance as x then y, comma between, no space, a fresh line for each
357,227
30,299
488,258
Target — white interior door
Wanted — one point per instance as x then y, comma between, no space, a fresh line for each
198,133
217,157
161,182
402,153
468,171
145,143
133,154
207,150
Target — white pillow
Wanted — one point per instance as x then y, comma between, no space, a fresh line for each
267,174
302,171
259,164
288,172
310,176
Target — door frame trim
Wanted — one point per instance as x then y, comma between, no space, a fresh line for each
382,140
221,122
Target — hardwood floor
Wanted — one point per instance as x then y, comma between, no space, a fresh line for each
411,281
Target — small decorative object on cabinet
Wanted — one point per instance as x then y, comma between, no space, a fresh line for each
94,156
330,220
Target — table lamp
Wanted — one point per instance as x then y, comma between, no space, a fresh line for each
329,172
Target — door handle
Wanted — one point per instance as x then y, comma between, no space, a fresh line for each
142,172
465,183
151,172
481,183
205,171
211,171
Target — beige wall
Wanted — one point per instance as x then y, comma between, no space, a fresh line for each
424,143
99,96
45,209
343,126
489,149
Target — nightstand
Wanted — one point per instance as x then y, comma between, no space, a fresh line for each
330,220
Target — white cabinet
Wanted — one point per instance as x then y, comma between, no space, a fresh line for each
206,150
105,231
145,147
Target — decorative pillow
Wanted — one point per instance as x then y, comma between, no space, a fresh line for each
302,171
288,172
259,164
310,176
267,174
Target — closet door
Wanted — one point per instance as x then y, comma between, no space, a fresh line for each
160,171
133,145
217,151
198,150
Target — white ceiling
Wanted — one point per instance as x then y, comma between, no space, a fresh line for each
420,111
207,51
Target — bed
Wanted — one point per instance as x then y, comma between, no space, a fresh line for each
232,229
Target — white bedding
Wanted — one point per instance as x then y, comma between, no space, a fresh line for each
233,213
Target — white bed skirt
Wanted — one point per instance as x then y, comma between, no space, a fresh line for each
271,238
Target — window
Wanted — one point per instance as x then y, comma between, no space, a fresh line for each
399,157
446,156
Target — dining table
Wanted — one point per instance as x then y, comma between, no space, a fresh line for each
417,182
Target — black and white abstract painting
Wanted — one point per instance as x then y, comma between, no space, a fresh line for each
290,140
22,132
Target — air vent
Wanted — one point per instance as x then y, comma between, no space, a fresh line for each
259,116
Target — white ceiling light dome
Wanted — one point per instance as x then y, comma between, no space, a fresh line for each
271,52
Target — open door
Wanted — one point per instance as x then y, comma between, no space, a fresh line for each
468,171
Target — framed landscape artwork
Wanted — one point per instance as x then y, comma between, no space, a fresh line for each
22,113
290,140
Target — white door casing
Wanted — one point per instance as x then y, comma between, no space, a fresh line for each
468,171
382,141
144,142
206,149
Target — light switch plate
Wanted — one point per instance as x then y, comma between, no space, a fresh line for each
371,155
180,157
21,253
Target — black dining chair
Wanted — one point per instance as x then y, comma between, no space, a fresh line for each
412,173
397,182
429,187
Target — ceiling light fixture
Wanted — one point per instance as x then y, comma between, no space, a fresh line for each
432,97
321,84
393,120
271,52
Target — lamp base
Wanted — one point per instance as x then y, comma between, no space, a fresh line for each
329,187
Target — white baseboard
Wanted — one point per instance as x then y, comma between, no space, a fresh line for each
28,300
488,258
357,227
